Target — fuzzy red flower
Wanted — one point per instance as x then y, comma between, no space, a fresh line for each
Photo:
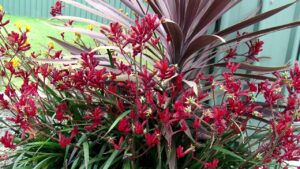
19,40
232,66
56,9
114,33
179,152
165,116
254,49
142,32
152,139
124,126
96,118
60,111
231,53
212,165
117,146
165,71
64,141
7,140
3,102
139,127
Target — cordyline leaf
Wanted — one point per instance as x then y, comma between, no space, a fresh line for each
105,48
253,76
135,6
69,47
250,36
193,85
57,61
176,34
96,12
110,11
253,20
250,67
213,13
79,19
201,42
92,34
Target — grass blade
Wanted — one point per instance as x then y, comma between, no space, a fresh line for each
227,152
117,121
86,154
111,159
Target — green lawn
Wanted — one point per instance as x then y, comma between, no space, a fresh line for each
40,30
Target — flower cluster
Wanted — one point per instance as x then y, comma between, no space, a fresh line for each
56,9
137,36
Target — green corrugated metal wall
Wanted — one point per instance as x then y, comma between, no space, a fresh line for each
281,46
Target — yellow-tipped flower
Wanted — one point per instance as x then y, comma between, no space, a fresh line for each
28,28
1,8
27,42
78,35
18,25
90,27
51,45
15,62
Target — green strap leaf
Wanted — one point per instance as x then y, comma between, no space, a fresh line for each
111,159
117,121
42,164
86,154
227,152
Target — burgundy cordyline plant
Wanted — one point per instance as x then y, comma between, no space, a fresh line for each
143,92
